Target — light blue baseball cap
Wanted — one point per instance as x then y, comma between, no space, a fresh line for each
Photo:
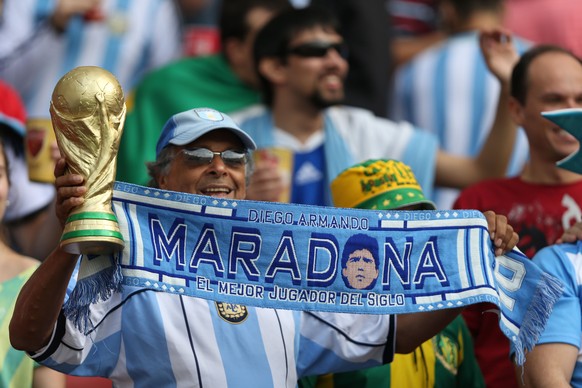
185,127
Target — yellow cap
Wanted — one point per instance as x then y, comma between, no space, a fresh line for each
378,184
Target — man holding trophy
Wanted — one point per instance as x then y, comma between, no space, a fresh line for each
145,337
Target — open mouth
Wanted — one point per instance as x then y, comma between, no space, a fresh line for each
333,81
217,191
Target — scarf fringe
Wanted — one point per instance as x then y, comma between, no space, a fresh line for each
89,290
547,292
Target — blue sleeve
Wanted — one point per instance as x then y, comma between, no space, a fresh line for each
420,155
564,324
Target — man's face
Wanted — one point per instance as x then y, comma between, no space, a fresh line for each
319,79
554,82
360,269
215,178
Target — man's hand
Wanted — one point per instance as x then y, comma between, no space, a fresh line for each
502,234
70,191
573,234
267,182
499,53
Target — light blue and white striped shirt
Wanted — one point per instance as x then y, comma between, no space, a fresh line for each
145,338
447,90
134,37
565,323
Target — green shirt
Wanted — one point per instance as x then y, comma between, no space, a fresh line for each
188,83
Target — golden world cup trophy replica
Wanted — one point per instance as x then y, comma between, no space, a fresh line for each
88,112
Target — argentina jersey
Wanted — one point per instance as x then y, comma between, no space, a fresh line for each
565,323
146,338
309,184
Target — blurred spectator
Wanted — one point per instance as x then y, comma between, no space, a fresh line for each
17,369
224,81
299,57
447,89
544,199
32,227
41,41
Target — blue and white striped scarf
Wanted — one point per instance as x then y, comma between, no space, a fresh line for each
289,256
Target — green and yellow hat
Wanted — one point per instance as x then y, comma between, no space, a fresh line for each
378,184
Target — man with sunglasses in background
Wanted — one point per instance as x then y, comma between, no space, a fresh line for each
300,58
145,338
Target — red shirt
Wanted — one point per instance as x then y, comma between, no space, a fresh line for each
539,214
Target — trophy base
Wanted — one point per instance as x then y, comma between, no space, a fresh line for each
92,233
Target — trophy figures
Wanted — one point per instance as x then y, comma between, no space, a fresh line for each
88,112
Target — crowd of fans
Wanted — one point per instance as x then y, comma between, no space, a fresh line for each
452,89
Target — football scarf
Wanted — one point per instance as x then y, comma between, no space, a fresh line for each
289,256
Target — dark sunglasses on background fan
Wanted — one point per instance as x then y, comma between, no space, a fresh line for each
318,49
202,156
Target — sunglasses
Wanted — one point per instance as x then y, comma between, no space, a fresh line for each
201,156
318,49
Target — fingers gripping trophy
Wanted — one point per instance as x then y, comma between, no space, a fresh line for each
88,112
